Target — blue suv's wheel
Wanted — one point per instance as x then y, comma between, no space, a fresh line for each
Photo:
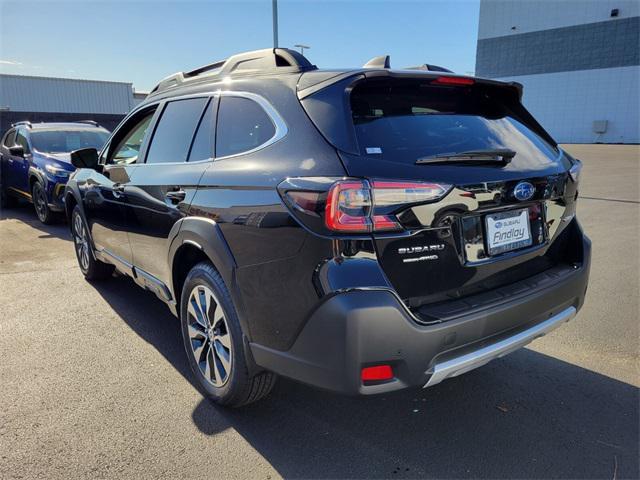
41,205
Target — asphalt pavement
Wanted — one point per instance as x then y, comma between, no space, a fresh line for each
95,382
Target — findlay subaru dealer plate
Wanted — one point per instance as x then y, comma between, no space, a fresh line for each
508,231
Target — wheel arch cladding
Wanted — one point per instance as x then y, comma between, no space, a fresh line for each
201,239
185,258
33,178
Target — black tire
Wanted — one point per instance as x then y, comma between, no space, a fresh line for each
91,268
41,205
232,388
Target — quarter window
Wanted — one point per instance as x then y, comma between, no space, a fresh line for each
243,125
175,130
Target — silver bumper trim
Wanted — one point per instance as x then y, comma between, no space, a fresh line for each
469,361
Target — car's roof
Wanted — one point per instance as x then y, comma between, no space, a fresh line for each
283,68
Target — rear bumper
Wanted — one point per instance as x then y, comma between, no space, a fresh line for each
359,328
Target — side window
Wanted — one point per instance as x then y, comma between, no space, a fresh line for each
128,148
175,130
202,148
10,139
242,126
21,139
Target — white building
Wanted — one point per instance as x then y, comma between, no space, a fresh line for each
579,62
48,99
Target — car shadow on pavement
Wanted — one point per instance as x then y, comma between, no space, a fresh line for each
24,212
527,415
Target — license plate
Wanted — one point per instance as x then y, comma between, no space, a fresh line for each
508,231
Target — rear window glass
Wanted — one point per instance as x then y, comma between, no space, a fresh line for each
64,141
403,121
175,130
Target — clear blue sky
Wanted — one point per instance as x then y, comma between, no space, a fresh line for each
144,41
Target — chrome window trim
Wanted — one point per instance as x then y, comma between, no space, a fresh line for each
279,124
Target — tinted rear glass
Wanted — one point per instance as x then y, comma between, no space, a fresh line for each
402,121
242,126
175,130
64,141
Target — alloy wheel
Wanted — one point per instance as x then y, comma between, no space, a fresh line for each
209,335
81,242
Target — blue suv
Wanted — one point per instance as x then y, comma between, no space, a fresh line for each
35,164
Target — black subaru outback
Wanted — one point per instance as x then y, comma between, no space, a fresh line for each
361,230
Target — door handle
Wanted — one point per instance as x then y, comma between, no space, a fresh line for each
176,196
118,190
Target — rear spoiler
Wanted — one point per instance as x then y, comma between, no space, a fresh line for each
313,82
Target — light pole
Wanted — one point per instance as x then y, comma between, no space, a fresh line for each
274,14
302,47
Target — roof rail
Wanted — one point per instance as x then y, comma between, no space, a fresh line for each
430,68
383,61
270,60
23,122
90,122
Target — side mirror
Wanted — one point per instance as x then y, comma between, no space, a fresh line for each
85,158
17,151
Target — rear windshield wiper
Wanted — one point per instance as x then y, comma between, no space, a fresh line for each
499,155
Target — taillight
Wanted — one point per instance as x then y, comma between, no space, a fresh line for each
362,206
349,207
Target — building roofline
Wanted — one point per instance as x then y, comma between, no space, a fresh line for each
38,77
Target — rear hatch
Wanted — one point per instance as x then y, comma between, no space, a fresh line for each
505,192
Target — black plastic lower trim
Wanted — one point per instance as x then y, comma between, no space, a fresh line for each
359,328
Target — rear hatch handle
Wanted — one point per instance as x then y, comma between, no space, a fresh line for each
500,155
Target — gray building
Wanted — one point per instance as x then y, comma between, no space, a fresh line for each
47,99
579,62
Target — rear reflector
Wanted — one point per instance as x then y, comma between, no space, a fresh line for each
453,81
377,373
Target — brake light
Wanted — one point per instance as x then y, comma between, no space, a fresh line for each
362,206
454,81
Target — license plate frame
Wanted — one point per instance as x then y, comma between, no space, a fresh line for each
503,231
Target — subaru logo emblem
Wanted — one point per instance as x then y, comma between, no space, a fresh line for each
524,191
